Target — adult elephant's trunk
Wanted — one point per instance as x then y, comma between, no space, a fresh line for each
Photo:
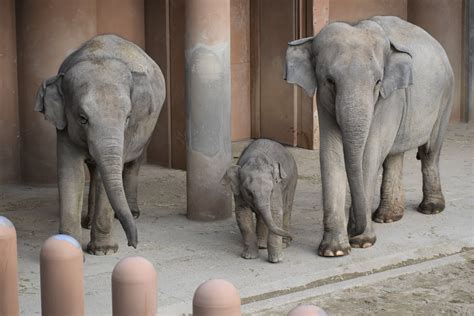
354,117
108,154
266,214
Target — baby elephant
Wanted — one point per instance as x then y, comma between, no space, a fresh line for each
264,182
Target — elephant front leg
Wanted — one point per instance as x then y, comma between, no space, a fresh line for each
88,214
71,186
275,242
101,230
335,241
244,216
392,201
433,199
131,171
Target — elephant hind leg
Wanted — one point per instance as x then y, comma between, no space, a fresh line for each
130,182
88,214
392,200
433,199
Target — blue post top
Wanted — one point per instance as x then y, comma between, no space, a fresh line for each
5,222
67,238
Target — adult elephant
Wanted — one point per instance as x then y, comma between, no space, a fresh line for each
104,102
384,86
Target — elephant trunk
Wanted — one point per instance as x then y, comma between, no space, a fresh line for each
108,154
266,214
354,118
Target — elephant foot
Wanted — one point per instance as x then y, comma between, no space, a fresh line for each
364,240
334,245
250,253
86,222
275,258
431,205
102,248
388,214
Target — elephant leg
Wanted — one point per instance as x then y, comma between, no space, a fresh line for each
244,216
392,200
101,231
433,199
287,209
275,242
130,183
71,186
88,214
335,241
262,233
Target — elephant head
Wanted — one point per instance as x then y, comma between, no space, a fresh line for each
257,183
92,102
351,67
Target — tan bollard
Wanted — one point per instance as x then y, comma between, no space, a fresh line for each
134,287
62,276
216,297
307,310
8,269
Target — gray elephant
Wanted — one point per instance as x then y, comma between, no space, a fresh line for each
263,182
104,102
384,86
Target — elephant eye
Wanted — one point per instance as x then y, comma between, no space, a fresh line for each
378,82
83,119
127,121
330,81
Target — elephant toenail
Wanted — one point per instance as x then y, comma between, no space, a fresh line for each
339,253
328,253
366,245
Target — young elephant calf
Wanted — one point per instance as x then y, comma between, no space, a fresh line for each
264,182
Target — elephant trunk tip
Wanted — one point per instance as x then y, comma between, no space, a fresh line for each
131,231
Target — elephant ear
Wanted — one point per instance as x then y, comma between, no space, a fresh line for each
231,177
398,70
142,92
278,172
50,101
300,65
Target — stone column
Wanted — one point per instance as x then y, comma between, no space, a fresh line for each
208,95
9,120
48,30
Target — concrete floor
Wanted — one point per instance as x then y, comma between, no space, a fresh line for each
187,253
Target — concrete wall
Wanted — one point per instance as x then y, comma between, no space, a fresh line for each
9,115
351,11
444,20
240,68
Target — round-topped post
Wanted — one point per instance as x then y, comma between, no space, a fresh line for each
8,269
62,276
216,297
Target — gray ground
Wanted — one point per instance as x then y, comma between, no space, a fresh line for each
425,251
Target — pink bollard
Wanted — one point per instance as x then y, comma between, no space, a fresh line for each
216,297
62,276
8,269
134,287
307,310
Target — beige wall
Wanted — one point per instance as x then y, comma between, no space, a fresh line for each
9,120
240,68
443,19
351,10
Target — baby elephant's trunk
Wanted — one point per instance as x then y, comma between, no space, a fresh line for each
265,212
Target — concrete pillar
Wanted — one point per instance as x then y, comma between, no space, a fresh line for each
9,116
48,30
208,95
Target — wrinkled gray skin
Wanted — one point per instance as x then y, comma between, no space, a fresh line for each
384,86
263,182
105,103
